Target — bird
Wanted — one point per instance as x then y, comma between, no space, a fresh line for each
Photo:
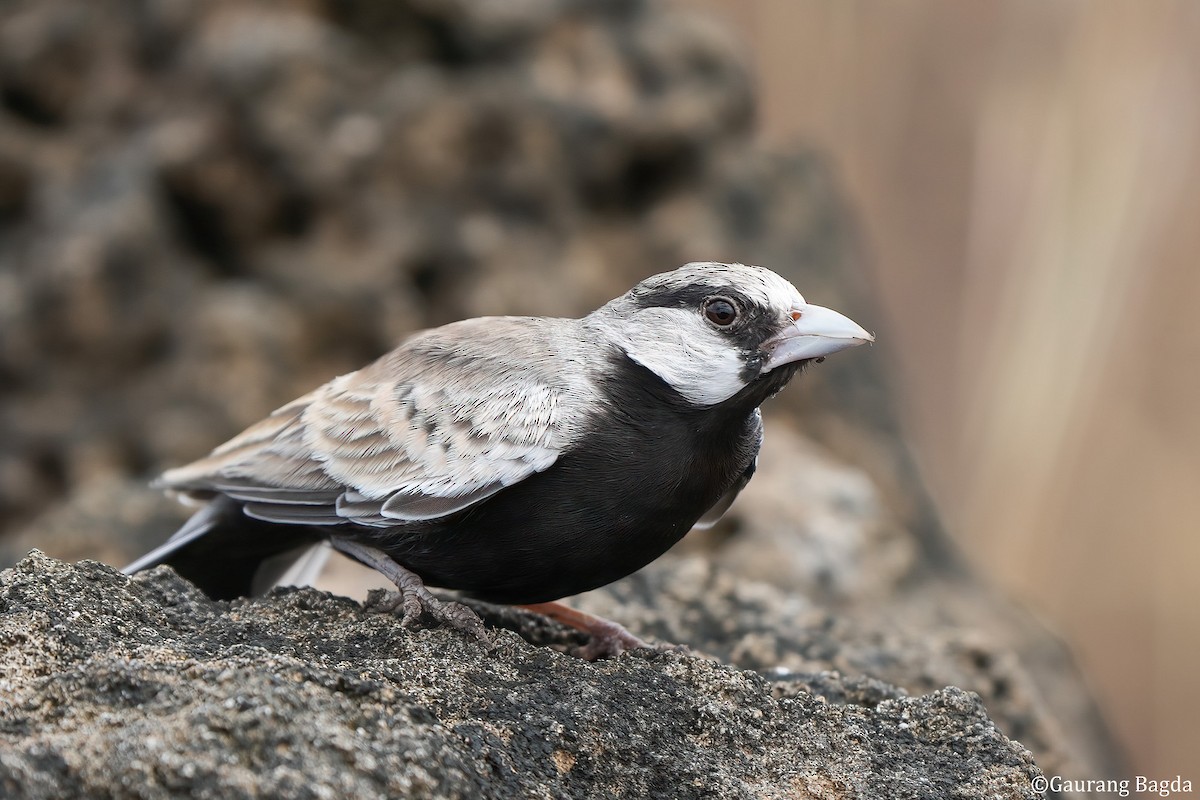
516,459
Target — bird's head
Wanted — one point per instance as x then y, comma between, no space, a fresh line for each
711,330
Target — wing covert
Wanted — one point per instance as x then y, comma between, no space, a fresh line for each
448,419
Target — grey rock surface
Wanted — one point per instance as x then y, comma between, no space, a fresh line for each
145,688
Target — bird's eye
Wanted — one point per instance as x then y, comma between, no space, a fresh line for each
720,311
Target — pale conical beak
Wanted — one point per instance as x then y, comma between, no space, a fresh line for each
816,332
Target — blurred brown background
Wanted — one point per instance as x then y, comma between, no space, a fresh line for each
1027,180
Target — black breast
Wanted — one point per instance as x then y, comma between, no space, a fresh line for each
648,468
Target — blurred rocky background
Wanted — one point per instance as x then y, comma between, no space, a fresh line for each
206,209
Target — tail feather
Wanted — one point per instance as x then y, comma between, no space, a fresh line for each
227,554
200,523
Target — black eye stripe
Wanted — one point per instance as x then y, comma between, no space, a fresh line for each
687,297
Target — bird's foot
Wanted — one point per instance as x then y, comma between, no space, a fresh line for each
413,600
413,603
608,639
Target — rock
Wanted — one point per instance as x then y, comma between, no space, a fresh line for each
145,688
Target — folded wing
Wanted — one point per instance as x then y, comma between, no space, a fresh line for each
447,420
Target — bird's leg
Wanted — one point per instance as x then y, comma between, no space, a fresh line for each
609,639
413,597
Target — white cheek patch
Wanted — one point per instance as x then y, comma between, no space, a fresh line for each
692,358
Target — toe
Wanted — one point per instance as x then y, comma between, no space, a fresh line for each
460,617
414,604
413,611
610,644
383,602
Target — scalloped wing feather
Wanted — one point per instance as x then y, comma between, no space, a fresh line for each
448,419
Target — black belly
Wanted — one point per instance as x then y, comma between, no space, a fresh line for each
601,512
